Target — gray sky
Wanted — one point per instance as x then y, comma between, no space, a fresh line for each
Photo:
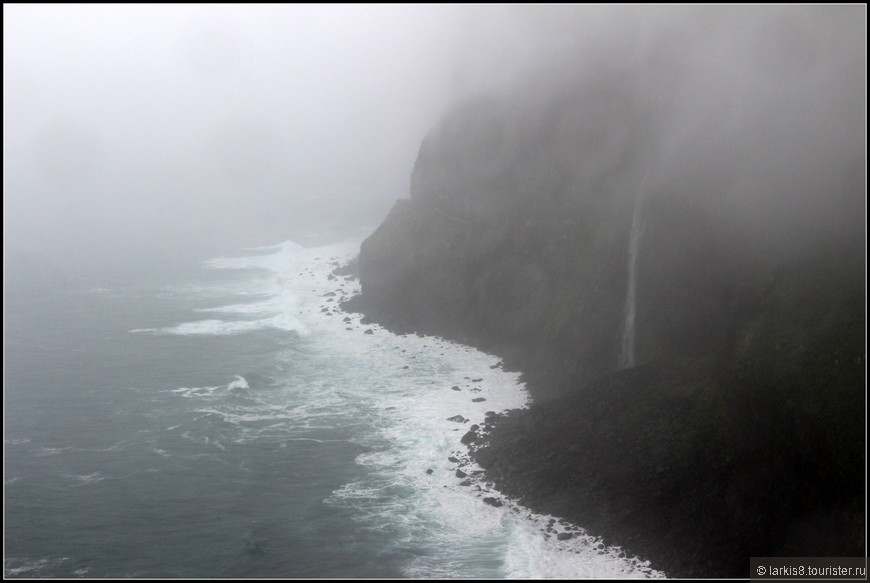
140,123
130,128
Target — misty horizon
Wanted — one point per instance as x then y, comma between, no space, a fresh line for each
132,127
475,291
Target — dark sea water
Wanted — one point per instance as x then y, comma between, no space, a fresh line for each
230,423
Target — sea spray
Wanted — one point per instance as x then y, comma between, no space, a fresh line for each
626,354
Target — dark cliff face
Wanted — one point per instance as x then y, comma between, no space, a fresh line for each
523,250
505,243
749,395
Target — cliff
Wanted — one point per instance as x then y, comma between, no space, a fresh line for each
741,431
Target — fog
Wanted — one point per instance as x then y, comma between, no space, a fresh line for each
132,126
161,129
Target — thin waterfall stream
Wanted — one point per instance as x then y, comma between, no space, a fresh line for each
626,354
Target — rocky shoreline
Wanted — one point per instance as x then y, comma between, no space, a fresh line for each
742,430
567,459
694,464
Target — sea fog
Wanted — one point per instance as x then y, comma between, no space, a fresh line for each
182,397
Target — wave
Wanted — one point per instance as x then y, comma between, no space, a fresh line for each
396,399
278,294
215,327
16,441
278,247
254,308
85,479
283,254
420,488
15,567
237,386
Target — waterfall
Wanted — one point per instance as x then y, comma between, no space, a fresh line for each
626,354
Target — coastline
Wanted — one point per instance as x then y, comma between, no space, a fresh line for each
690,464
475,469
564,458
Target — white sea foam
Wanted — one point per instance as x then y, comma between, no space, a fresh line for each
404,384
397,390
46,451
255,308
212,327
284,257
30,567
16,441
238,384
85,479
278,306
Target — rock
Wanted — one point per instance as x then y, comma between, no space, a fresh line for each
461,474
457,419
469,437
465,483
453,460
478,400
493,501
453,388
564,535
429,471
542,278
369,331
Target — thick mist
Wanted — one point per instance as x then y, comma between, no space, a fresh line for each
159,130
753,114
652,216
134,130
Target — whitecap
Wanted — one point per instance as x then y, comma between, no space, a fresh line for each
226,328
194,392
85,479
16,441
238,382
46,451
16,566
253,308
411,492
400,416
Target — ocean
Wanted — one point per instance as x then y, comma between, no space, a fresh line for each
233,422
